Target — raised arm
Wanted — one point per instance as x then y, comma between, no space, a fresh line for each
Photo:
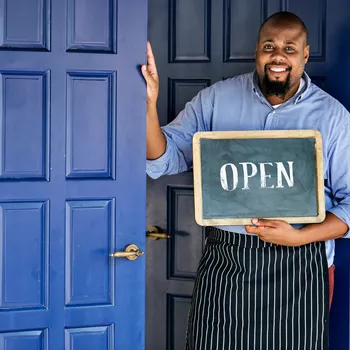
155,140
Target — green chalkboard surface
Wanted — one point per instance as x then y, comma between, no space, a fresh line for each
268,174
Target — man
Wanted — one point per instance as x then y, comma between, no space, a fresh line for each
263,286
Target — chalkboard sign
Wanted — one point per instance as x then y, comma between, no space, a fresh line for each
242,175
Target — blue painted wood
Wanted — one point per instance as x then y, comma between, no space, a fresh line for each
25,25
34,340
89,338
72,174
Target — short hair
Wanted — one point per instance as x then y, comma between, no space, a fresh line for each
285,16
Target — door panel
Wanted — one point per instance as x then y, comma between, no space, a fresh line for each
72,182
197,43
172,263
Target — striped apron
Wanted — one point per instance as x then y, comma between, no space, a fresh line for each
252,295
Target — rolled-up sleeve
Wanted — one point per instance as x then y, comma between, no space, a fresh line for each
179,134
339,171
163,165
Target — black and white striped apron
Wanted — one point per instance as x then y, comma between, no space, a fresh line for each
253,295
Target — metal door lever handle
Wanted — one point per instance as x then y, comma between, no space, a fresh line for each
154,234
131,252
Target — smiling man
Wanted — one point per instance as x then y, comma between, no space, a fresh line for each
281,55
268,285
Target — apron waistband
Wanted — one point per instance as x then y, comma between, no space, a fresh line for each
216,235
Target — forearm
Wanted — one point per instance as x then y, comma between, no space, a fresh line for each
155,139
282,233
331,228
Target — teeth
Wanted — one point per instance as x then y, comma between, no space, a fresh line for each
278,70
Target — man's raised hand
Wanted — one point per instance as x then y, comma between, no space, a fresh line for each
150,74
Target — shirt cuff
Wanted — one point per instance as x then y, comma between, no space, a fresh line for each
341,214
156,167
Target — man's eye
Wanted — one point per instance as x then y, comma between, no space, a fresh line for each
290,49
268,47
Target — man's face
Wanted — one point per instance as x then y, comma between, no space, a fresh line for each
281,55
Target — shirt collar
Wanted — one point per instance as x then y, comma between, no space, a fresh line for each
297,97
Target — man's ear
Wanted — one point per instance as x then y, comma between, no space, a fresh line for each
256,49
306,53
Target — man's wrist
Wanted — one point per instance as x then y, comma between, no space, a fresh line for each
152,107
303,237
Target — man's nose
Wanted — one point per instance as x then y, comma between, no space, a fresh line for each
279,56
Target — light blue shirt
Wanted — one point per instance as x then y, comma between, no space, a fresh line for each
238,104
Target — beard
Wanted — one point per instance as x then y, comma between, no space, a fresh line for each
275,87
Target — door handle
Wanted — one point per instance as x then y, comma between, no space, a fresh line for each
131,252
154,234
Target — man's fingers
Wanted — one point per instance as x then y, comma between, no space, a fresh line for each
264,222
253,229
150,56
151,62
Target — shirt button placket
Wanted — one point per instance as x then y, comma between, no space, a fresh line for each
269,125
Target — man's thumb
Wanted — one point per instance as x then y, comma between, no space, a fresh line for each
146,74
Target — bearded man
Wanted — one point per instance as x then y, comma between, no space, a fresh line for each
268,285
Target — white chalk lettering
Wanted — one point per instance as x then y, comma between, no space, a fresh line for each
246,176
281,170
223,176
229,175
263,175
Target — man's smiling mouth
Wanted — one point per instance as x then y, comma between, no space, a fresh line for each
278,69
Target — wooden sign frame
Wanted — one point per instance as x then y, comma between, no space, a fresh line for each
267,134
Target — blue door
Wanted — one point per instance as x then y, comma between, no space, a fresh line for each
72,178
